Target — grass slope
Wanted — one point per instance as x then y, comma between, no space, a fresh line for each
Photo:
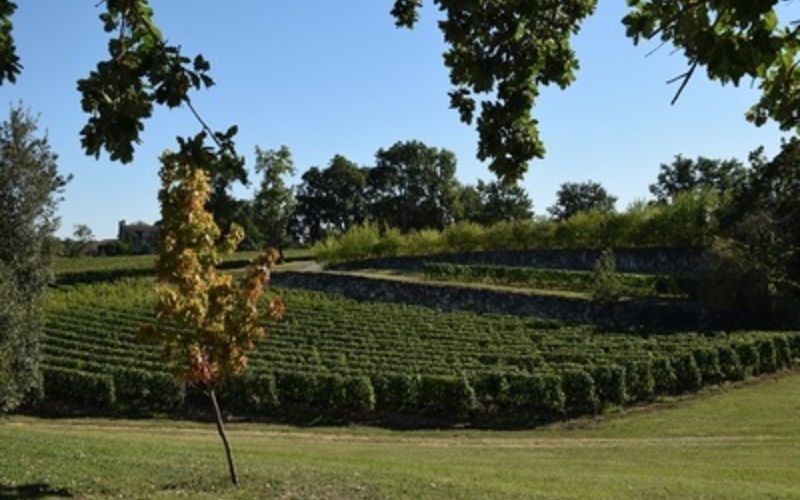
735,442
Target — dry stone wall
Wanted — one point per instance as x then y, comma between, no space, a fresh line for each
649,314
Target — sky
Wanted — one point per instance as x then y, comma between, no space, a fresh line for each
327,78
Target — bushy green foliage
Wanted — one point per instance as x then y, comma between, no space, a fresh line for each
464,237
607,287
754,263
573,198
687,222
30,187
79,388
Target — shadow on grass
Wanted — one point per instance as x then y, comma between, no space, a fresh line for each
32,490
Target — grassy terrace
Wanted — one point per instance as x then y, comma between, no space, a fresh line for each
736,442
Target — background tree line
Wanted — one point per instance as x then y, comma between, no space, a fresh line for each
411,187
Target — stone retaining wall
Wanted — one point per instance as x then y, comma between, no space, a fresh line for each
649,314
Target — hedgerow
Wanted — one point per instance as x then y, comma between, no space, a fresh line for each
684,223
335,357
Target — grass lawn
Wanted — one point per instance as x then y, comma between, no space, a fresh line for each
735,442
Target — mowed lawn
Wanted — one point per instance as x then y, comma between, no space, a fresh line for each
734,442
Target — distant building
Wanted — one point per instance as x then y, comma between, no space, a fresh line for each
139,237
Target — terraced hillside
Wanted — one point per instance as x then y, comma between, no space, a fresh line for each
336,357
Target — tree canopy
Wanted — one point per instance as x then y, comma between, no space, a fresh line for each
501,52
491,202
575,197
685,174
504,51
413,186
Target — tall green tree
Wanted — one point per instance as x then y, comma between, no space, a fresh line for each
685,174
30,189
501,202
757,256
330,200
575,197
413,186
274,201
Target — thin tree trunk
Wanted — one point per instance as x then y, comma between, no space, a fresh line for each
221,431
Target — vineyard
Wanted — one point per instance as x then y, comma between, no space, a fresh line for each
631,285
338,358
95,269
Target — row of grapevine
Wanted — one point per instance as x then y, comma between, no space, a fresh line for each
335,356
635,285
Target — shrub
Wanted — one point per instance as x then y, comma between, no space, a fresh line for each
425,242
749,357
540,395
359,242
767,356
296,388
391,244
579,391
360,395
463,237
74,387
395,392
610,384
640,380
607,287
687,374
783,352
267,392
142,389
730,366
330,394
491,391
664,379
709,364
447,396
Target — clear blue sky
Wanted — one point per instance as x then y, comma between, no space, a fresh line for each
328,78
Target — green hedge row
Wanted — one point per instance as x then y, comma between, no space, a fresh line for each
569,389
122,389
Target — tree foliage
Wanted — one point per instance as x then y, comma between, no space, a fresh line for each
755,263
274,200
685,174
508,49
575,197
330,200
205,322
488,203
30,188
731,39
501,52
413,186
